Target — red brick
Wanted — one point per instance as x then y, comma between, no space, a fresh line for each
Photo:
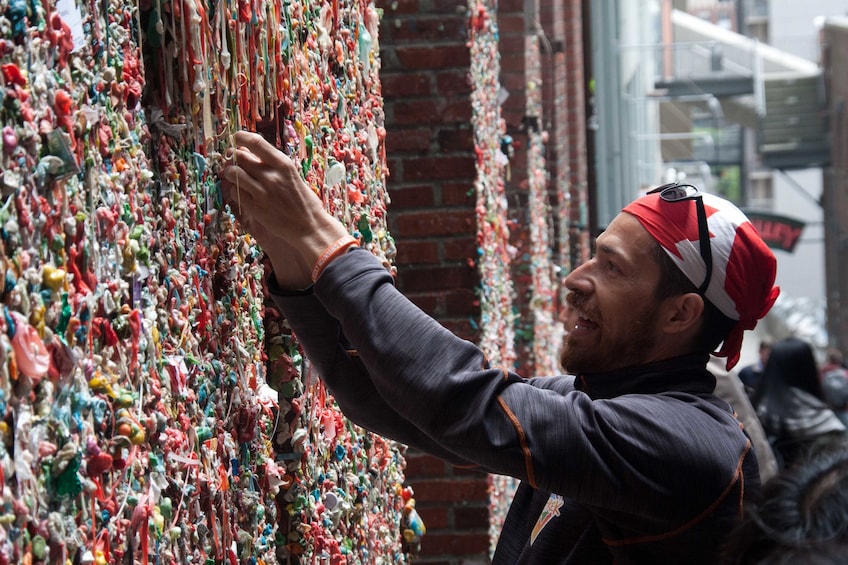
429,303
423,465
406,84
415,112
471,517
415,140
509,24
412,252
436,168
460,249
416,196
427,29
429,279
507,6
459,194
433,223
461,302
457,109
450,83
450,7
429,111
451,140
466,490
434,57
394,7
455,544
434,517
512,62
514,45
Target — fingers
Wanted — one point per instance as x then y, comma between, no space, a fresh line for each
257,155
257,145
274,182
233,173
235,178
248,161
235,197
258,158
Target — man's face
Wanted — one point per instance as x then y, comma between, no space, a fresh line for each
613,297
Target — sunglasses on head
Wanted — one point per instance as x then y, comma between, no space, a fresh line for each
676,192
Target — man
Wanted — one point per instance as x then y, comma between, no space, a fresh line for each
750,374
634,460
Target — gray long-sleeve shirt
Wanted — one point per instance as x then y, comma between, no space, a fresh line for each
641,466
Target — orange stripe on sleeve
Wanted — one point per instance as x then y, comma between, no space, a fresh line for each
522,438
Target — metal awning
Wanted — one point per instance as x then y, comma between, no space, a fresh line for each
779,93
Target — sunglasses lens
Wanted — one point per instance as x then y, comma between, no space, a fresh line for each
678,192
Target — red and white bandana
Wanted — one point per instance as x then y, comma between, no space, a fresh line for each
744,268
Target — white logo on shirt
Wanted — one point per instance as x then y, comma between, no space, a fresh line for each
549,512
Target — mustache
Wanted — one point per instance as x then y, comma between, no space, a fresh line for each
576,299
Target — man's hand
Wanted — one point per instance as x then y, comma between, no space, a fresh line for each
275,205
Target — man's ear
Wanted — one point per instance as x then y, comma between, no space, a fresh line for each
683,313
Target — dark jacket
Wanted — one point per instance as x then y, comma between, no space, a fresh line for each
648,466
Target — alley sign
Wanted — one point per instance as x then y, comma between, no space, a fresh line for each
779,232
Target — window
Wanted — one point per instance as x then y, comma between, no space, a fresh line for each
760,194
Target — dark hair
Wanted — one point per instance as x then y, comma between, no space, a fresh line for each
790,364
791,367
715,326
800,516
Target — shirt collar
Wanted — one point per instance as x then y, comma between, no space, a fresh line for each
683,374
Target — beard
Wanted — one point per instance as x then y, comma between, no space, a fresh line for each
628,349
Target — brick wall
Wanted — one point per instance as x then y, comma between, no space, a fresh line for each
560,33
430,147
431,156
425,60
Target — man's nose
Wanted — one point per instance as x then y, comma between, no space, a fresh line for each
579,280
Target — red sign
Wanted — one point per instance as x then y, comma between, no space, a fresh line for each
779,232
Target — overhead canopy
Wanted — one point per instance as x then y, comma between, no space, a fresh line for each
777,92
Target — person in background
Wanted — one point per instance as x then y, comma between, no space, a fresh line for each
632,458
750,374
730,389
790,403
834,379
802,516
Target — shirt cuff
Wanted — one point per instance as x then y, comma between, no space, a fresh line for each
275,289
